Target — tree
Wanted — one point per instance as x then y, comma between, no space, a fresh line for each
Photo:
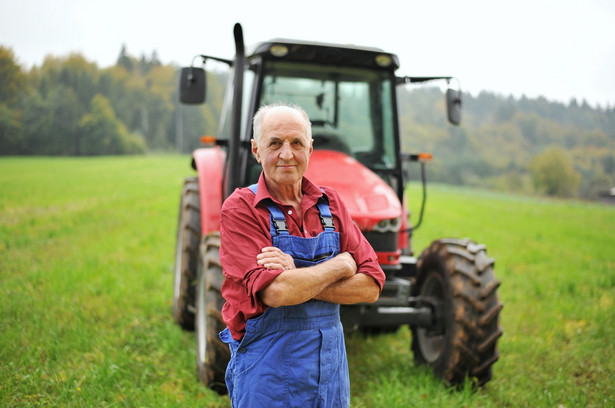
157,110
66,110
554,174
12,79
81,76
125,60
102,133
12,83
37,123
10,131
608,164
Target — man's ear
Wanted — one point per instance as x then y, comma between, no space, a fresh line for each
255,150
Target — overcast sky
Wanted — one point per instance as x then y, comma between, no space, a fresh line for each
556,49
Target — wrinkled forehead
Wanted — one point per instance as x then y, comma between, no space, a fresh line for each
283,114
282,122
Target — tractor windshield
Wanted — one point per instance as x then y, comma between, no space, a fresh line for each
350,108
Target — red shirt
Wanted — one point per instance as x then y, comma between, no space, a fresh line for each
244,231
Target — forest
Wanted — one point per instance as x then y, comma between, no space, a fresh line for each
68,106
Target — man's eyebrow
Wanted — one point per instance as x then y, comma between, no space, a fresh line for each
279,139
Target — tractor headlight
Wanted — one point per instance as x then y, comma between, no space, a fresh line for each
384,60
278,50
389,225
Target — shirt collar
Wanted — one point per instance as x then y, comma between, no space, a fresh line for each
311,192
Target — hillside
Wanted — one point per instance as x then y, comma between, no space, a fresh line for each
70,106
521,145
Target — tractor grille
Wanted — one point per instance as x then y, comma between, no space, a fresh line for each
382,241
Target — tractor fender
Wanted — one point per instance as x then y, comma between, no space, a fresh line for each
209,164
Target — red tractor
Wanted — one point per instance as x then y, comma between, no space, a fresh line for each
448,295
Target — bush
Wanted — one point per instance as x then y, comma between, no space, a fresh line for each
554,174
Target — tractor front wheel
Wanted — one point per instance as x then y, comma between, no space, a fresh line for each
456,277
212,354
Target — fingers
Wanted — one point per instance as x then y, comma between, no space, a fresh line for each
274,258
270,250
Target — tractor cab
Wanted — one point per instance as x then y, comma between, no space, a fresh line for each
350,106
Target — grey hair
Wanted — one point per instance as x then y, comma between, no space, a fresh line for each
263,110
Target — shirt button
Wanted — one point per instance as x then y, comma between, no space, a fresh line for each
290,212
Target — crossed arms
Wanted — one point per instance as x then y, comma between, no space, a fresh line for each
335,280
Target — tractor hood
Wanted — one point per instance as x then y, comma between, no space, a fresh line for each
368,198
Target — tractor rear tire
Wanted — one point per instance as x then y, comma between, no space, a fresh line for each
458,276
212,354
186,254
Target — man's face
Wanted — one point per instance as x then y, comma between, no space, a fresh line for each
284,148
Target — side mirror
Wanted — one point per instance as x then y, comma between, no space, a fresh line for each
453,106
192,85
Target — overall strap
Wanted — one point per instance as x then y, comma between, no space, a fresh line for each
278,222
325,214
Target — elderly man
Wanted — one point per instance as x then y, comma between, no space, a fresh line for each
291,255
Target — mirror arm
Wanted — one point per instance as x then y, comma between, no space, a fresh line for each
414,80
204,59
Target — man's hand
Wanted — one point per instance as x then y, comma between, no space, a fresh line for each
274,258
347,263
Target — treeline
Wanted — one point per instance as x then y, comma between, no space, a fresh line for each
520,145
70,106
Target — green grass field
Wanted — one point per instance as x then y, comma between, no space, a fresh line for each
86,258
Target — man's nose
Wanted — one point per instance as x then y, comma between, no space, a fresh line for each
286,151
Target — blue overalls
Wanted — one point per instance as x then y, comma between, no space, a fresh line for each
292,356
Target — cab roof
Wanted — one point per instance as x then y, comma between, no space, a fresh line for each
324,53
